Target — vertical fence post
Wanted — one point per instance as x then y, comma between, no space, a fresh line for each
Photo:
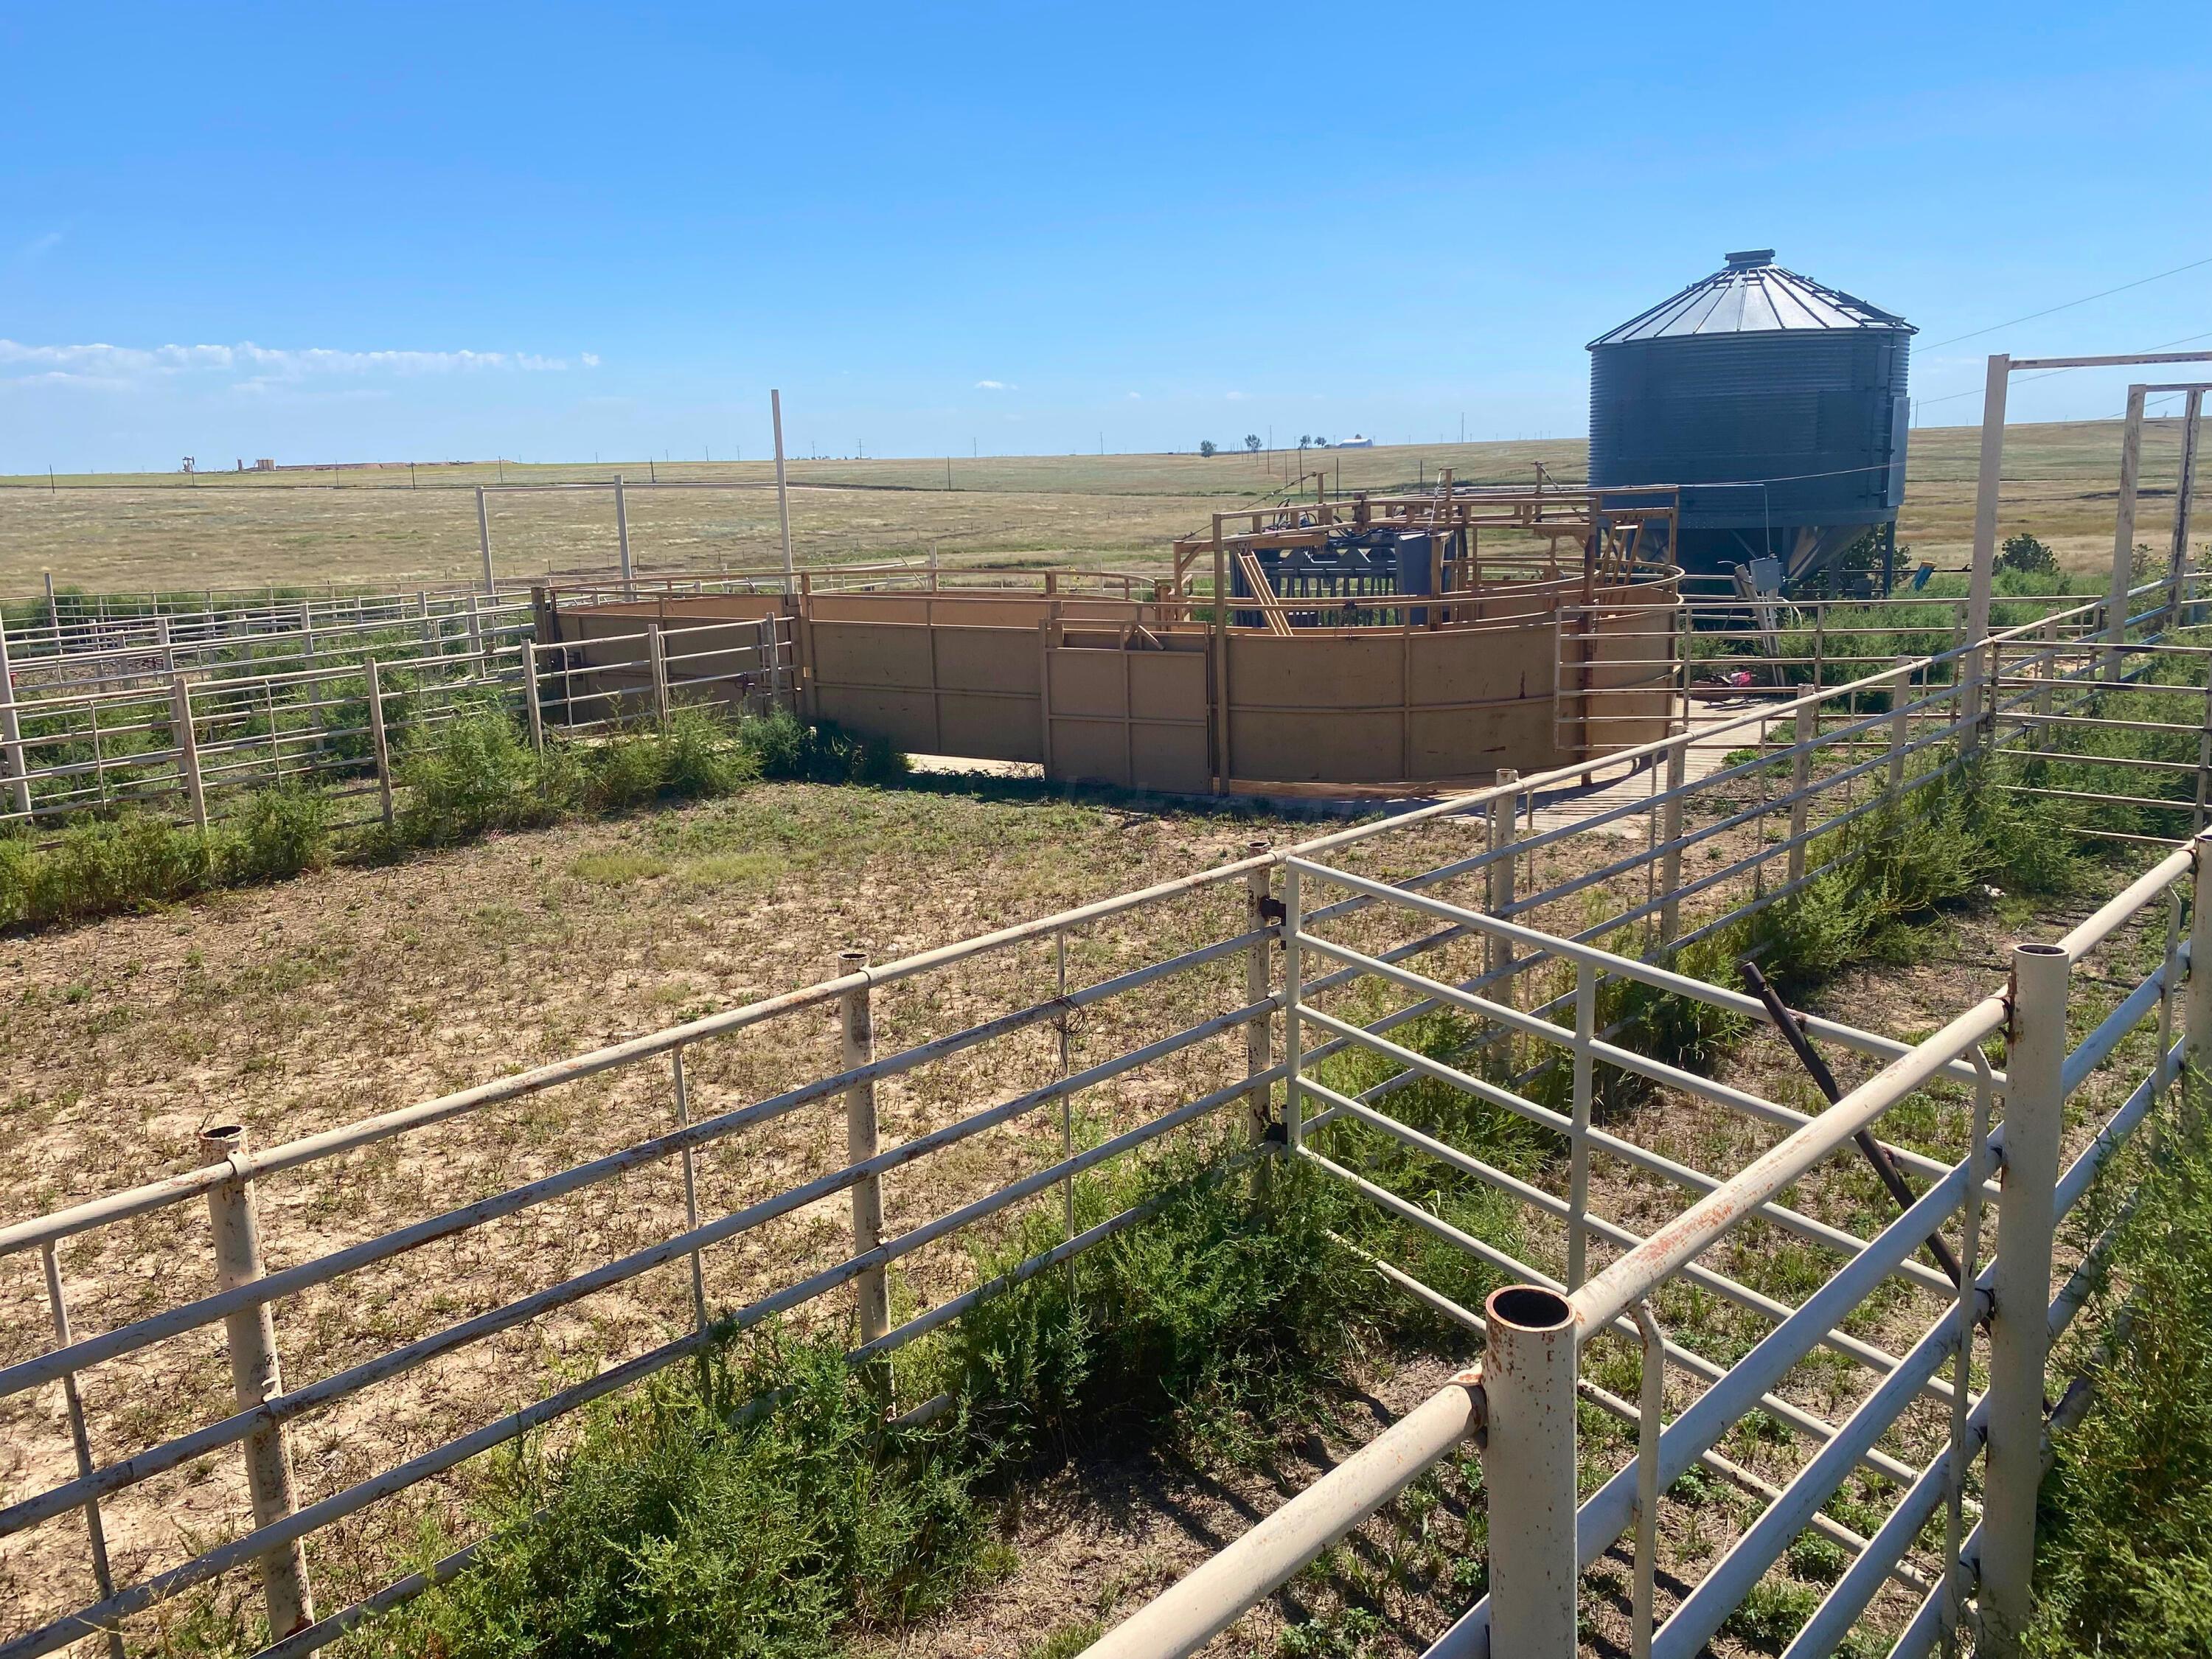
690,1186
1259,1034
1528,1466
2123,535
255,1377
422,617
378,741
476,638
530,700
858,1019
1497,953
656,662
1578,1153
2019,1329
188,747
80,1441
11,733
2185,492
1651,1402
1800,785
1960,1453
1900,723
2196,1004
1294,1044
1670,833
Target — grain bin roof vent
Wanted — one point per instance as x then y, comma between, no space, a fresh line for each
1752,294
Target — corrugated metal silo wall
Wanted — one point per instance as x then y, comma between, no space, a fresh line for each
1779,406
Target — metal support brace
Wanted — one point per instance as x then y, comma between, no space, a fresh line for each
80,1441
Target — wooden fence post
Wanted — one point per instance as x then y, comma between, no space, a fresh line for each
858,1019
378,740
255,1376
188,747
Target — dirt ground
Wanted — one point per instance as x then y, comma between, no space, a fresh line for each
318,1001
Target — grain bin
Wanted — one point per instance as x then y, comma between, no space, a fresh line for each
1777,402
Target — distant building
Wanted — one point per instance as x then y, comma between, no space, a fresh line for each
265,466
1355,441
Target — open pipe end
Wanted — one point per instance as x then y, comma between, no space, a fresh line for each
1529,1308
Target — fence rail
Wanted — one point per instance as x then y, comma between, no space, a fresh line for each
1211,1015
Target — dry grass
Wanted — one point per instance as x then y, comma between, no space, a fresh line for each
1119,510
314,1003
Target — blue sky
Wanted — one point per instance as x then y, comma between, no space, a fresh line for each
323,233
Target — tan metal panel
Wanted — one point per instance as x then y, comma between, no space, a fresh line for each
1315,670
905,717
1091,683
860,653
991,728
1168,686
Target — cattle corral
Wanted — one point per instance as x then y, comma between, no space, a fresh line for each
586,1192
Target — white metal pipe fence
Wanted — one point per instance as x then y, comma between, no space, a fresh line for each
1223,1028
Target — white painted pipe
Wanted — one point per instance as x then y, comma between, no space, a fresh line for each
2020,1338
1214,1594
1528,1468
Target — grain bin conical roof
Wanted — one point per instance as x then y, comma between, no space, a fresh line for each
1752,294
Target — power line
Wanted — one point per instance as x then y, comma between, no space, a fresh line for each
2186,339
1977,333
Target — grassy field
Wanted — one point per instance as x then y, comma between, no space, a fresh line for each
402,528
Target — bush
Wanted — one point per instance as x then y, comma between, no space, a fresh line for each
2024,552
2124,1562
278,833
466,775
128,862
1217,1313
669,1530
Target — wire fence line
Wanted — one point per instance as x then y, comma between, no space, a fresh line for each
1211,1015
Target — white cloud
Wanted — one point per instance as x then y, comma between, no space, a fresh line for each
247,360
1239,396
590,359
38,246
993,385
1136,397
